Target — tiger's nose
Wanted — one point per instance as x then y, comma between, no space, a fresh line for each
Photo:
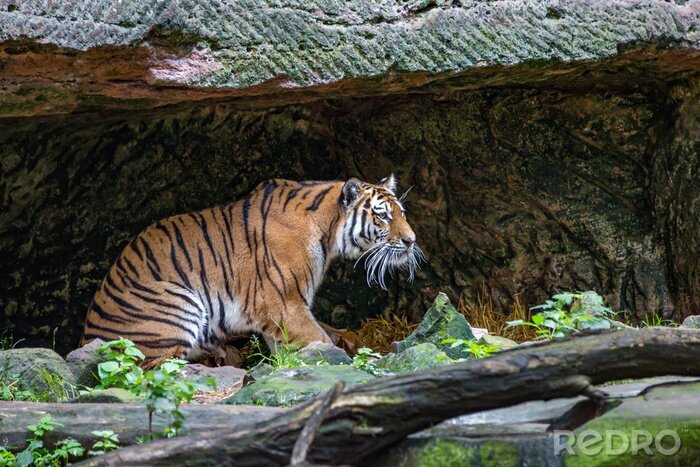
409,240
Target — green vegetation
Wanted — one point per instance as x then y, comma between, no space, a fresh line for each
568,313
37,454
12,389
282,356
109,441
164,389
476,349
656,320
365,359
120,370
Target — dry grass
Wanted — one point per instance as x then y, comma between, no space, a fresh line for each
214,397
482,314
378,333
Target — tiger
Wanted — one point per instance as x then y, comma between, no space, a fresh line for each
189,283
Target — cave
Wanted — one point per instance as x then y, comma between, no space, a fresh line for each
529,175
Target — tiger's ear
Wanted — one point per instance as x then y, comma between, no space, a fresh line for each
351,191
388,183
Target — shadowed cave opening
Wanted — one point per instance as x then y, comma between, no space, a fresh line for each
519,190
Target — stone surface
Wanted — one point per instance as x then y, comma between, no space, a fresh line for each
34,366
83,362
440,322
285,388
502,342
110,395
421,356
320,352
225,377
692,322
225,46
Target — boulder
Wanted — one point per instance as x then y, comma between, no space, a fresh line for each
502,342
319,352
83,362
418,357
692,322
285,388
440,322
39,370
113,395
225,377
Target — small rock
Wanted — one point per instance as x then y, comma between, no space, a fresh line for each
480,332
692,322
418,357
320,352
33,367
502,342
440,322
109,395
258,372
285,388
225,377
83,362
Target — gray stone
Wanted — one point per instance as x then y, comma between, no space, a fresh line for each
40,370
418,357
692,322
109,395
320,352
440,322
83,362
225,377
288,387
502,342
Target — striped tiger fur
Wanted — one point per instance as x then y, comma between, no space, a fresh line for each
189,282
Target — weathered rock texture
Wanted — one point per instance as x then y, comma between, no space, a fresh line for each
551,145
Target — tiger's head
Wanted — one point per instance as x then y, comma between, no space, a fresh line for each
377,231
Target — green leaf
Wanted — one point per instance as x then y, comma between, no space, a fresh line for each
538,319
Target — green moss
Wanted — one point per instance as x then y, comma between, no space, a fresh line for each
498,454
442,453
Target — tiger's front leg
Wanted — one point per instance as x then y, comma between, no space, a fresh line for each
300,328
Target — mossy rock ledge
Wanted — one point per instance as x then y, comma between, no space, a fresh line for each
551,145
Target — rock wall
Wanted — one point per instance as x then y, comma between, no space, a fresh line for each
548,174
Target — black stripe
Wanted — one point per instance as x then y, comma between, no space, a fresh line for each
246,212
318,199
119,301
182,296
109,316
178,269
111,283
131,266
303,297
205,231
149,254
181,243
121,332
222,314
290,196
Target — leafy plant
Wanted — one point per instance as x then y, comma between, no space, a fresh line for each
165,389
476,349
282,355
364,360
568,313
657,320
120,370
37,454
109,441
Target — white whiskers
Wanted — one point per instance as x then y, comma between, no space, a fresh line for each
382,258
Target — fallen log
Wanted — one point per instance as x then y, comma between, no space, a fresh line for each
364,419
129,421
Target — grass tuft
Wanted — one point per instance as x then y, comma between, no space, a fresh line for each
482,314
